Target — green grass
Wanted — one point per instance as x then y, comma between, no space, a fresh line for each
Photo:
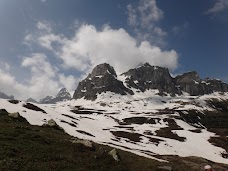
32,148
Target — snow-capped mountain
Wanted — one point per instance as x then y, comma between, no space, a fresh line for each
63,95
144,111
146,77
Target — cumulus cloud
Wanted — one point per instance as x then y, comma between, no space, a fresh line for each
90,46
219,6
44,79
69,82
144,19
81,52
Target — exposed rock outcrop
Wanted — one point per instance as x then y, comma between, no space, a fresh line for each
191,83
102,79
151,77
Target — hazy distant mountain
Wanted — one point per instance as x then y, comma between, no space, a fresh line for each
63,95
4,96
31,100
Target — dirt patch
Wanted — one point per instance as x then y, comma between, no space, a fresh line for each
141,120
71,117
14,101
86,112
85,133
71,124
196,130
135,137
155,141
222,142
33,107
167,131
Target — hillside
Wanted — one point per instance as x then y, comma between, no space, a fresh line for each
26,147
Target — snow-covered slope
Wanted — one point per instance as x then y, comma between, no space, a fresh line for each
145,124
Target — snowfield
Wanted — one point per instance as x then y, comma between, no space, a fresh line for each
132,123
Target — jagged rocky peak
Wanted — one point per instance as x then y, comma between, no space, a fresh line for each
62,95
102,69
102,79
151,77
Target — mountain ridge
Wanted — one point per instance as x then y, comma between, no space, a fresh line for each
103,78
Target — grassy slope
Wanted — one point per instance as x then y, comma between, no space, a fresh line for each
26,147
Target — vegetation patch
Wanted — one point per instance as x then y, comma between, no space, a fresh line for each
25,147
222,142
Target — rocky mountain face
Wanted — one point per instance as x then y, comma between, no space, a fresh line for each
4,96
151,77
63,95
103,78
191,83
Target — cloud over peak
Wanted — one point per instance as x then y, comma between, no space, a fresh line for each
90,46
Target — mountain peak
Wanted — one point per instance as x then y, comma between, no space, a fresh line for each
102,69
62,95
102,79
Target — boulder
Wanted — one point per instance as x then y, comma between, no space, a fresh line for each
86,143
14,115
51,123
114,154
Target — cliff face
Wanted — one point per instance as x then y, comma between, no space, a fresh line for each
191,83
151,77
103,78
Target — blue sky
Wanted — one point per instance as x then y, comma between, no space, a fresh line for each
48,44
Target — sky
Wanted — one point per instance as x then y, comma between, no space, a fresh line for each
49,44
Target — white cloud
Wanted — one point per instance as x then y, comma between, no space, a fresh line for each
149,12
144,20
39,65
43,25
69,82
219,6
89,47
44,79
